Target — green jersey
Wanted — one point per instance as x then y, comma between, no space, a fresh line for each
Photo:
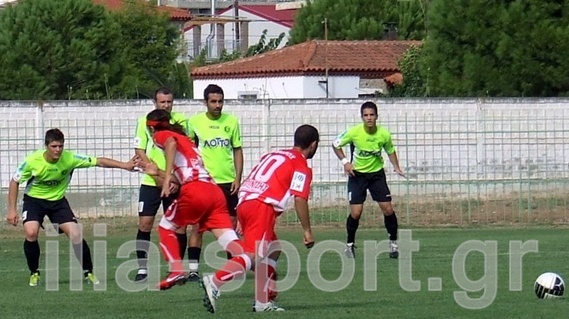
366,147
47,180
143,141
216,140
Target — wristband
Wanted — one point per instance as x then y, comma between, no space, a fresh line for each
344,161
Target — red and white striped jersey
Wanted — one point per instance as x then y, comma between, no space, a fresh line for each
278,176
188,164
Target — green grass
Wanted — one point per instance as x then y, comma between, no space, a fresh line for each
390,300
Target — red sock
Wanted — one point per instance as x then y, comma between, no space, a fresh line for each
170,249
264,273
234,267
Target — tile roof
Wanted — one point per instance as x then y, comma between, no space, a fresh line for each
313,57
176,14
269,12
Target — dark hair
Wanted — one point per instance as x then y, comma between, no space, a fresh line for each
212,89
54,135
305,135
162,122
368,105
162,90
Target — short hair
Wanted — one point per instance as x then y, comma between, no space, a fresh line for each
368,105
162,121
305,135
162,90
212,89
54,135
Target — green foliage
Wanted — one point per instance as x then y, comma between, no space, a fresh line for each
498,48
265,46
359,19
414,85
73,49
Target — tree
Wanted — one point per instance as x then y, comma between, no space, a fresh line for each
414,85
497,48
359,19
56,49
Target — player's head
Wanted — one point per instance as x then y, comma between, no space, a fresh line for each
163,99
54,140
368,112
159,120
306,138
213,97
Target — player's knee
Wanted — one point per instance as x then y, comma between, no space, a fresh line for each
145,224
31,235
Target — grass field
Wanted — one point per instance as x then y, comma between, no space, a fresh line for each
437,247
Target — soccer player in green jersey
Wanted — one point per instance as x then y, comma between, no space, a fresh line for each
149,198
218,138
48,173
366,172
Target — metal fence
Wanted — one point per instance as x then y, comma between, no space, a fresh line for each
467,162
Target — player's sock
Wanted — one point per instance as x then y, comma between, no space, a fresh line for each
142,247
183,242
391,225
351,227
237,266
32,252
194,258
83,254
264,273
170,248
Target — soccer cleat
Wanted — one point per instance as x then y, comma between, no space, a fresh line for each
267,308
34,279
393,249
350,250
91,279
194,276
174,278
141,275
211,293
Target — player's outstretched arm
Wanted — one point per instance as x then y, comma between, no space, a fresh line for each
111,163
12,214
302,211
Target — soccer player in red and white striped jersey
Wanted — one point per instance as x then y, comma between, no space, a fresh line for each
262,198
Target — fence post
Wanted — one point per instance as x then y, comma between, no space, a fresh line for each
39,122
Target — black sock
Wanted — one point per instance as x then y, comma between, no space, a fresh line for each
352,226
229,255
83,254
183,243
391,225
194,256
142,246
32,252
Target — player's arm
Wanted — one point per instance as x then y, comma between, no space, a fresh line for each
302,211
12,215
170,147
392,154
141,139
341,141
111,163
238,163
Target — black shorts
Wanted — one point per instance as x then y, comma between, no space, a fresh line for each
149,200
230,199
375,182
35,209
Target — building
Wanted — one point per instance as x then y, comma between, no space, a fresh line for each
177,16
314,69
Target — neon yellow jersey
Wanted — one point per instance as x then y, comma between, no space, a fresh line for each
143,141
46,180
366,147
216,140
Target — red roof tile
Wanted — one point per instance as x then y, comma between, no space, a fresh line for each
175,14
313,57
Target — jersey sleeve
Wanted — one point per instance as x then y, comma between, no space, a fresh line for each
191,132
236,135
343,139
141,135
160,138
23,173
83,161
300,184
388,146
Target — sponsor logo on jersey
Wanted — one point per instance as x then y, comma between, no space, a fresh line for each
217,142
369,153
227,129
50,183
214,127
298,180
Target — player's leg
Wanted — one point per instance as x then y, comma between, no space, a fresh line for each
357,188
170,222
231,200
194,252
63,216
32,218
181,232
381,194
148,204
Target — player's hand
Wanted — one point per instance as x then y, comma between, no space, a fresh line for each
308,239
399,172
235,187
149,168
131,164
174,187
12,218
166,190
239,229
349,169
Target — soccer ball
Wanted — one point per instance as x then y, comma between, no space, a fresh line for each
549,285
